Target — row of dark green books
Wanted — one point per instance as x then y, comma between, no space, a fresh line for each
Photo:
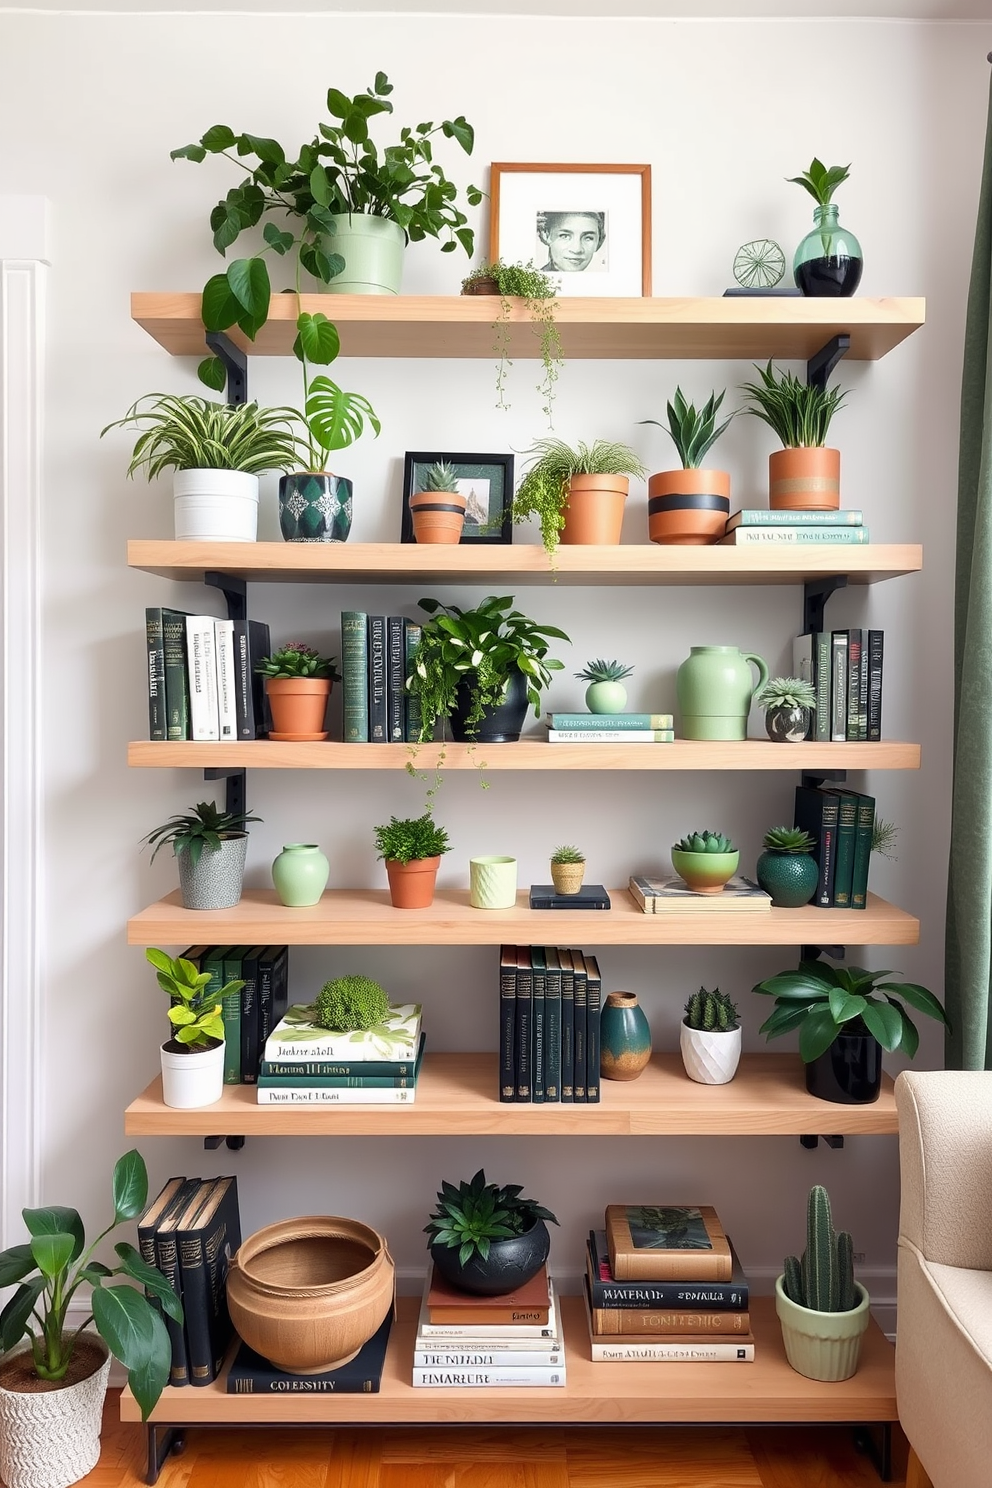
189,1232
549,1005
252,1013
202,678
845,669
376,657
842,822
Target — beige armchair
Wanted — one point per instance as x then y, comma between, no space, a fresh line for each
944,1337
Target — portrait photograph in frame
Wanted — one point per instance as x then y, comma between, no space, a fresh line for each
587,226
486,482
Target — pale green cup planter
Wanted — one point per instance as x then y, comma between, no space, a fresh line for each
822,1346
705,873
492,883
372,249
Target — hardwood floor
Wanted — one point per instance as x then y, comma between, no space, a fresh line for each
476,1457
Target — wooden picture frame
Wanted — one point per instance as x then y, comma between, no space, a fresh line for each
588,226
472,471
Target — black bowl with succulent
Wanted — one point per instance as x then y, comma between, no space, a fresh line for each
486,1239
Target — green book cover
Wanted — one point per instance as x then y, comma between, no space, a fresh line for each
155,647
847,823
414,721
354,674
538,986
552,1025
862,851
821,668
212,962
176,674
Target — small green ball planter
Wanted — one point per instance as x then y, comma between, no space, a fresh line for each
705,873
606,697
790,878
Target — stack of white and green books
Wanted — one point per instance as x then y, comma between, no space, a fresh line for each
756,525
610,728
305,1065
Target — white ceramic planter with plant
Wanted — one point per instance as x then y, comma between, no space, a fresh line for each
193,1058
210,848
710,1037
822,1309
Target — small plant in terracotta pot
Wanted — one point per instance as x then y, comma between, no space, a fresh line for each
578,494
298,682
193,1058
438,508
568,867
705,861
789,704
606,692
691,505
411,848
804,475
710,1037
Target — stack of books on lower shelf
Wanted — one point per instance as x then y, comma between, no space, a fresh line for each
305,1065
470,1342
250,1374
664,1285
549,1006
189,1232
672,895
610,728
251,1012
759,525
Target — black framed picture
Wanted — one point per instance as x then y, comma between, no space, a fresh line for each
486,482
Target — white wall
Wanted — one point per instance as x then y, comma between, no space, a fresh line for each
724,111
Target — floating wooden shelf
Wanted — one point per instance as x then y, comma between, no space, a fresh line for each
461,326
628,563
527,754
766,1390
456,1095
366,917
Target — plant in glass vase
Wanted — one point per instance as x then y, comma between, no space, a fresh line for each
829,260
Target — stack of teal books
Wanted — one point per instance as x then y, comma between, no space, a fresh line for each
305,1065
756,525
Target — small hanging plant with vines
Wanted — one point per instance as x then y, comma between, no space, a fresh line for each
521,281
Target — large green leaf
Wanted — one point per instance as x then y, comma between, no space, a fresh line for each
14,1318
844,1005
268,150
336,418
885,1023
816,1034
14,1264
460,130
219,138
52,1253
130,1186
218,306
56,1220
319,339
136,1335
917,997
151,1279
249,282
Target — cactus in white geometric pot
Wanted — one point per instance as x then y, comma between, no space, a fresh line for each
710,1037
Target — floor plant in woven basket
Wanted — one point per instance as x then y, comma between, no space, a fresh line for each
52,1387
486,1238
606,692
705,861
786,868
690,505
710,1037
568,867
822,1309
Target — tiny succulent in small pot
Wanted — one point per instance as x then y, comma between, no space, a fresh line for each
348,1003
437,507
786,869
485,1238
710,1037
568,866
705,861
691,505
606,692
521,281
550,490
193,1058
297,659
210,847
789,704
411,848
822,1309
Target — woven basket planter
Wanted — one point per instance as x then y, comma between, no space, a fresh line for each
52,1438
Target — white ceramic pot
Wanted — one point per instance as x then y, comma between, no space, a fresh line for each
822,1345
52,1439
711,1058
215,505
191,1080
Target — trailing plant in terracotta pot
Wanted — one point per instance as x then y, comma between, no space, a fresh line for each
210,847
217,452
691,505
437,509
298,683
193,1058
787,869
538,291
822,1309
705,861
804,475
411,848
568,869
487,1239
710,1037
578,494
606,692
52,1388
789,704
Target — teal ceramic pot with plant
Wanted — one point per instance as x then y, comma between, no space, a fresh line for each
714,689
625,1037
786,869
314,507
300,874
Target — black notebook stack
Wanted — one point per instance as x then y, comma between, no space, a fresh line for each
250,1374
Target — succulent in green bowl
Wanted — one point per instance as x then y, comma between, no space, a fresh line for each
705,861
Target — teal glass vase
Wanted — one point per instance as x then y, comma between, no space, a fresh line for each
828,261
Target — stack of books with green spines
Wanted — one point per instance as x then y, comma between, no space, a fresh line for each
549,1006
663,1284
466,1341
251,1012
610,728
305,1065
758,525
376,660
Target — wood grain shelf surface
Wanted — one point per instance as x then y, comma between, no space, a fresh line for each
526,754
366,917
456,1095
765,1390
525,564
461,326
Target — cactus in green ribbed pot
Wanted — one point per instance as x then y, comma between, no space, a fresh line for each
822,1309
824,1279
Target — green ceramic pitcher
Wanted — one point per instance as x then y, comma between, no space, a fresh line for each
714,690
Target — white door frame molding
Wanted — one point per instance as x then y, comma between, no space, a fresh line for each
24,260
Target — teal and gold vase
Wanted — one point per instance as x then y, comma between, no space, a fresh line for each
314,507
624,1037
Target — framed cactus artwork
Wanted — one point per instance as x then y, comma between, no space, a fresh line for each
485,481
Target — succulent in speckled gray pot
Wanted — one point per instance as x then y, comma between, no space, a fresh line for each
210,848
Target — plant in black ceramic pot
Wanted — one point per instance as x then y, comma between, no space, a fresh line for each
789,705
845,1016
487,1239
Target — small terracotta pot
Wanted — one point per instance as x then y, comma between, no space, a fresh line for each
567,877
481,287
804,479
438,516
594,509
298,706
688,506
411,885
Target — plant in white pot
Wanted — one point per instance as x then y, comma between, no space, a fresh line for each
822,1309
52,1387
217,452
710,1037
210,847
193,1058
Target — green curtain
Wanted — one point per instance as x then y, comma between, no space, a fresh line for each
968,953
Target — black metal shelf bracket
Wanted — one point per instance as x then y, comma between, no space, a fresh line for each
809,1141
235,365
234,590
816,592
815,778
234,1144
823,362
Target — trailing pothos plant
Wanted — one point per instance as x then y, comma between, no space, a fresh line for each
521,281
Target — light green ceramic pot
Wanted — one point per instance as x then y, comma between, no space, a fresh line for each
822,1345
372,249
714,690
606,697
705,873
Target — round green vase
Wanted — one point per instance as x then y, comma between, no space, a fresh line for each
790,878
300,874
606,697
624,1037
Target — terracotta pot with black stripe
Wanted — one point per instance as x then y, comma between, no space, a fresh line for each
438,516
688,506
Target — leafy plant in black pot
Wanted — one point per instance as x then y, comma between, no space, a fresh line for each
487,1239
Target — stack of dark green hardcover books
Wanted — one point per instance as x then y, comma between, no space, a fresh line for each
549,1005
251,1013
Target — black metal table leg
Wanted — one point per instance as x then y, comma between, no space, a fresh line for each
878,1448
163,1441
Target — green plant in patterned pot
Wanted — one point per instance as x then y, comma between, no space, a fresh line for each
705,861
786,868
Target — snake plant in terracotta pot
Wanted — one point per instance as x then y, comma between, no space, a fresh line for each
690,505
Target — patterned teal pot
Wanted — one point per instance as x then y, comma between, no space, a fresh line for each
624,1037
314,507
790,878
